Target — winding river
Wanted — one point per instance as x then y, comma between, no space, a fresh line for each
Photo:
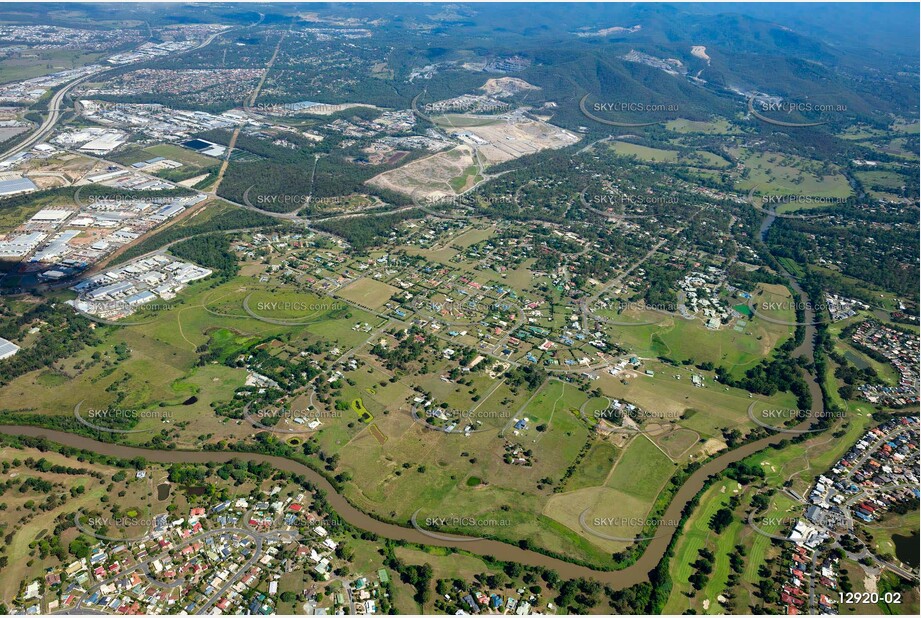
636,573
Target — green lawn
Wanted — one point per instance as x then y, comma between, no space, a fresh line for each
696,535
717,126
780,174
659,155
594,469
642,470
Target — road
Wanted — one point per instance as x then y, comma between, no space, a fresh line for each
54,114
248,103
54,106
145,565
618,580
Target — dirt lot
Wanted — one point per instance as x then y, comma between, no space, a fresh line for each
506,86
520,137
429,177
495,139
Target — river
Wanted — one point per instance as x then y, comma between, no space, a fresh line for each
636,573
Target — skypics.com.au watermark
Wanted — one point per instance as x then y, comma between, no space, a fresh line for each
283,200
447,206
96,417
794,112
466,106
468,525
628,420
110,106
764,308
612,199
802,204
630,207
296,306
598,111
763,525
290,109
460,422
289,313
280,420
92,524
455,521
110,312
116,201
780,419
617,527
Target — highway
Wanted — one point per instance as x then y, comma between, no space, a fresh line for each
54,114
54,106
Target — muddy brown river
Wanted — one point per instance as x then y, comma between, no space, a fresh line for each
634,574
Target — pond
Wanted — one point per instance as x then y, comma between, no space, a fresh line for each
907,548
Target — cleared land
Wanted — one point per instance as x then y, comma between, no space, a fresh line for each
510,139
368,293
428,178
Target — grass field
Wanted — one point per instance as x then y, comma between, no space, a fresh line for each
659,155
445,564
715,407
468,178
718,126
778,174
900,147
619,499
368,293
656,334
26,523
182,155
417,468
892,524
642,471
174,152
44,62
676,442
696,535
595,468
160,372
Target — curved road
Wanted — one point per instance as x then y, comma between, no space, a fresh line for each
54,106
54,113
634,574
